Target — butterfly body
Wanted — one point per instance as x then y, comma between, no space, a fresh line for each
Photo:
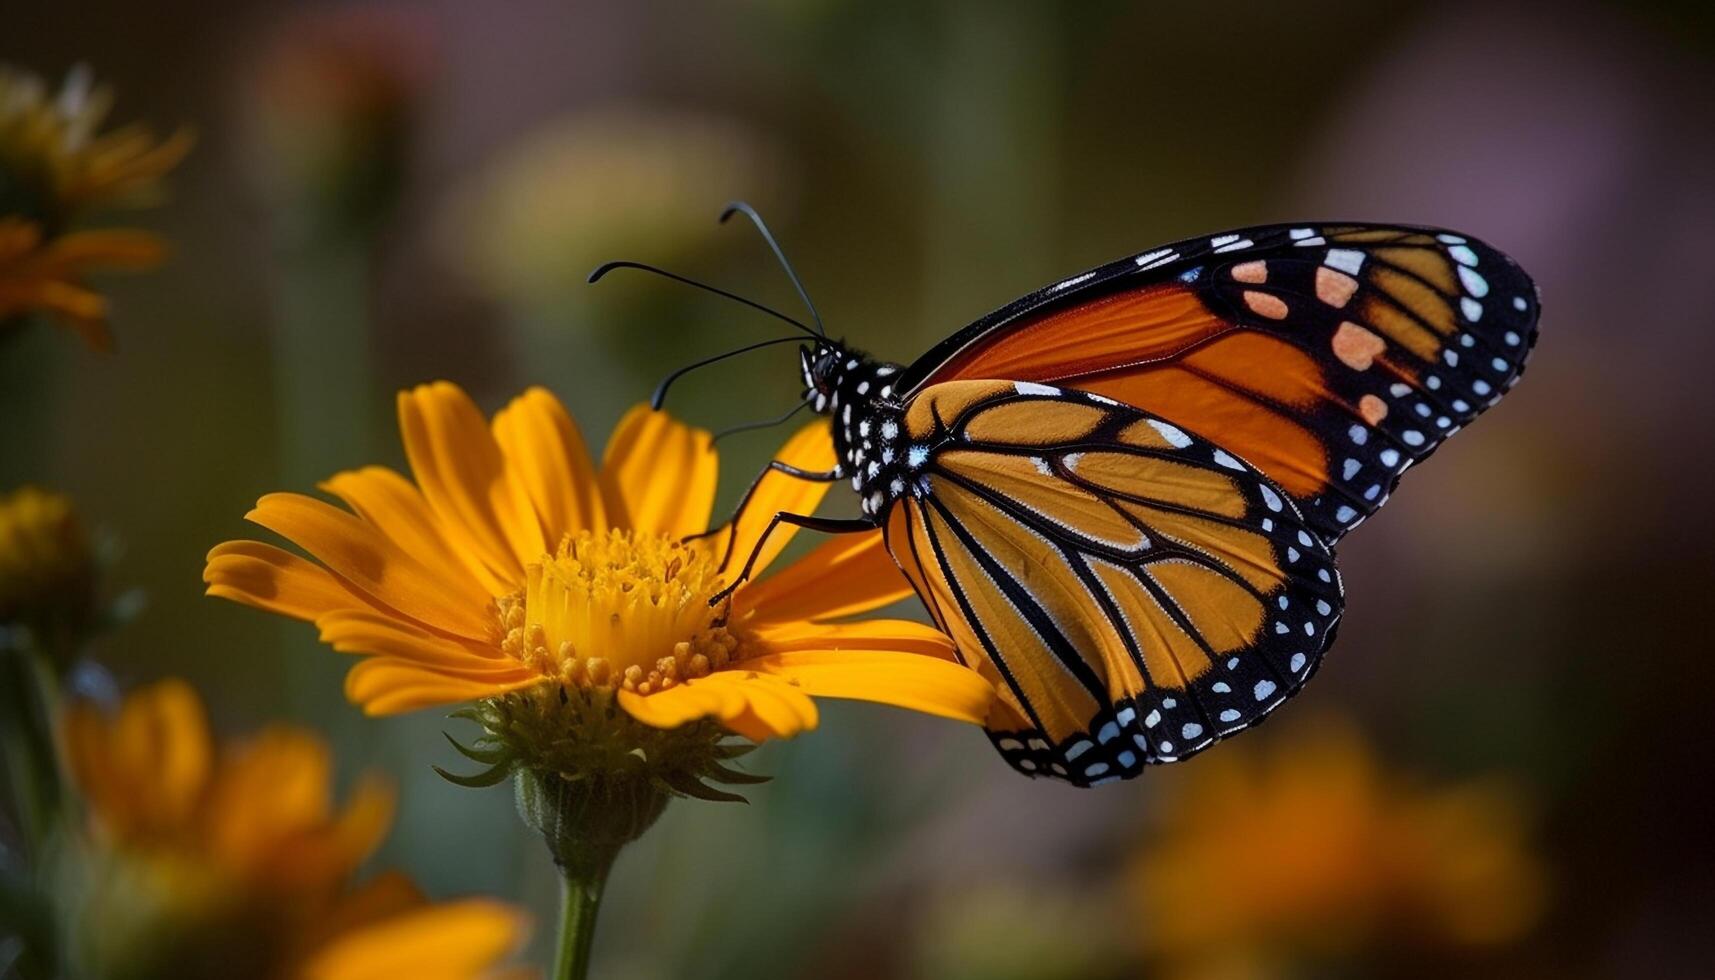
1120,494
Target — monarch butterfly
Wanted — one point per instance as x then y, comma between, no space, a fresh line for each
1120,494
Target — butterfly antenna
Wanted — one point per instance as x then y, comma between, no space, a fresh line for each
660,396
607,267
768,424
740,207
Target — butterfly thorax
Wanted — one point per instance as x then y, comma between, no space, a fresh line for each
856,392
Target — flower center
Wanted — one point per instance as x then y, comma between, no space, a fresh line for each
619,609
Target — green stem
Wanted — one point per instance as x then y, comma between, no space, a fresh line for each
32,760
580,900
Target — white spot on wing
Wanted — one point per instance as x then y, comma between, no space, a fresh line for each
1346,260
1032,388
1270,498
1474,282
1175,436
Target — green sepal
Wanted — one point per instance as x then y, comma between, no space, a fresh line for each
488,777
487,757
723,774
689,785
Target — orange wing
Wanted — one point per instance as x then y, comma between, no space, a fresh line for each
1134,592
1331,358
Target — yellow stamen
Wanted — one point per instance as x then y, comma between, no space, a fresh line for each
615,608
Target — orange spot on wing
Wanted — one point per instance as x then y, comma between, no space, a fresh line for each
1373,409
1356,347
1334,287
1252,272
1265,304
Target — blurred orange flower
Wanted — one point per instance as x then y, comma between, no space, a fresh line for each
233,861
1314,851
54,170
514,564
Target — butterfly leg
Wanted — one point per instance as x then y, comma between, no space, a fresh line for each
827,525
774,466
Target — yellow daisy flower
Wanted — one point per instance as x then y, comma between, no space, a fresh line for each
231,860
55,168
1315,853
514,564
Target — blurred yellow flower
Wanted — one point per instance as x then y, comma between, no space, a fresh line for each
1314,851
47,565
55,168
232,860
620,181
514,564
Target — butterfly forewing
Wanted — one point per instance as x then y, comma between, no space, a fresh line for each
1331,357
1135,592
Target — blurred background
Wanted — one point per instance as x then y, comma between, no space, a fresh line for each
1499,772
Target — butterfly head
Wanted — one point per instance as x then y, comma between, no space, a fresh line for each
825,367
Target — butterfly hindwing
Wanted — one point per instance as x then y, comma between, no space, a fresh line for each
1331,357
1135,592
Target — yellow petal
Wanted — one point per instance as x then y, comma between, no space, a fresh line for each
847,575
361,555
659,475
380,635
458,465
897,635
810,449
384,686
452,941
396,508
120,248
163,731
904,680
381,897
145,770
751,703
547,456
684,703
271,578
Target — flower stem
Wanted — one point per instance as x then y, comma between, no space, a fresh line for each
29,693
580,900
